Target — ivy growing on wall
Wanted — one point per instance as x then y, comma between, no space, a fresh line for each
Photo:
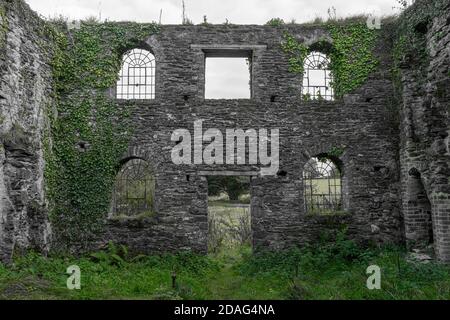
351,55
90,133
410,41
296,51
3,26
336,152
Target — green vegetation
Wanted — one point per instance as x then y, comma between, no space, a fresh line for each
234,187
351,55
410,40
296,51
3,26
410,46
134,191
91,131
229,224
336,152
275,22
329,270
411,29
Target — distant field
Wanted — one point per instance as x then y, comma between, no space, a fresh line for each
321,186
229,224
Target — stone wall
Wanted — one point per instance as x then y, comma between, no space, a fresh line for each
425,128
361,124
25,95
387,176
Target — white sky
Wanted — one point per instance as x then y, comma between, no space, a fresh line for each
217,11
221,83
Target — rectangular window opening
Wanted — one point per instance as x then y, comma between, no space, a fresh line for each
228,77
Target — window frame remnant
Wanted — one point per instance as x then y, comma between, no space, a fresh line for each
137,78
322,172
134,175
317,61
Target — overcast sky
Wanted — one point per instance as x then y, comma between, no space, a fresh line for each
217,11
223,78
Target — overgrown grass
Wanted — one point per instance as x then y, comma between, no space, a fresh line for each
338,271
335,270
229,226
108,275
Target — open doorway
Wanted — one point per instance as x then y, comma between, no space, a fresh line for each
229,214
419,213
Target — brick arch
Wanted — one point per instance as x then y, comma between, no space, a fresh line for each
140,152
322,149
324,46
319,148
417,209
320,36
321,197
137,153
151,45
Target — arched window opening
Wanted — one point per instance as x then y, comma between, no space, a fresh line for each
137,76
134,189
322,185
317,79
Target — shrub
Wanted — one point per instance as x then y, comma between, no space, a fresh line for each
275,22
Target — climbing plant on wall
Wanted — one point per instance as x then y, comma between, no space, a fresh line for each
3,26
410,38
351,55
296,52
90,133
411,45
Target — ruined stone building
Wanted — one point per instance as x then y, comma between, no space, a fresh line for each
82,103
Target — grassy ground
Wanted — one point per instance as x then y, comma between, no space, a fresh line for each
330,270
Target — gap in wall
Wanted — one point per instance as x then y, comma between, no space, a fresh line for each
227,78
229,214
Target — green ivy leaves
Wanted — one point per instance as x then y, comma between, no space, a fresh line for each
296,52
91,132
352,58
3,26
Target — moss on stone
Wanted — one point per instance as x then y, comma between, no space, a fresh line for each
3,26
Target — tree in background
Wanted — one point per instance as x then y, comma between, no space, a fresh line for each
234,187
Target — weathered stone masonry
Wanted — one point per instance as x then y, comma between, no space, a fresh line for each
382,191
25,96
425,128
